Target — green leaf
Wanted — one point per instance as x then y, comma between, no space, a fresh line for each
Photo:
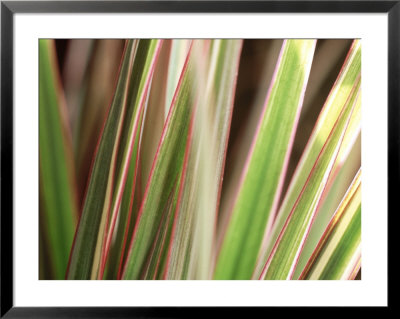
337,98
112,160
177,58
166,170
126,217
155,264
201,185
154,116
284,255
338,253
346,166
130,134
150,208
139,171
257,199
58,202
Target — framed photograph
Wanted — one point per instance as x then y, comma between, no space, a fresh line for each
158,156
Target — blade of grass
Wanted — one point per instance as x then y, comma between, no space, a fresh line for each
213,127
58,201
164,255
339,245
155,262
160,252
266,161
111,160
138,92
337,98
152,130
285,253
345,168
255,75
218,65
154,117
126,217
91,223
179,257
166,168
177,58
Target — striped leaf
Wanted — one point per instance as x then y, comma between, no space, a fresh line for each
111,164
339,94
338,253
284,256
256,201
164,175
198,204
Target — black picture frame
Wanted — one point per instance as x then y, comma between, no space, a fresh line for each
9,8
